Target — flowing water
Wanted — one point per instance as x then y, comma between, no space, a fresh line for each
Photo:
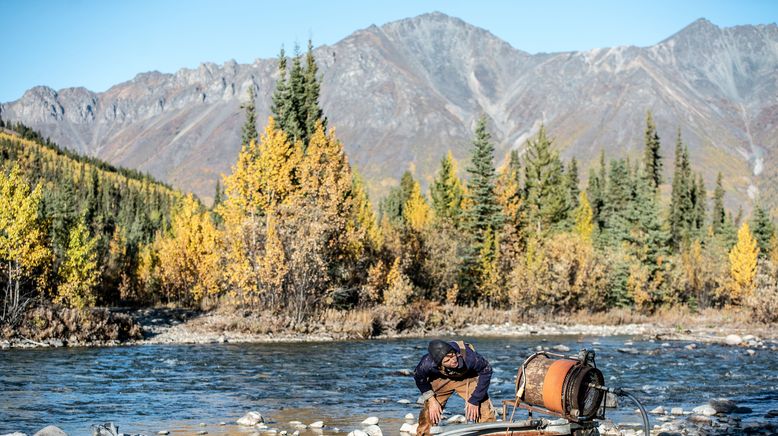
190,388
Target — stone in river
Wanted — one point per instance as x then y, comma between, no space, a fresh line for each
409,428
373,430
628,350
561,347
658,411
357,433
373,420
676,411
456,419
404,401
733,340
705,409
317,424
202,432
723,405
163,432
251,419
50,431
409,416
16,433
700,419
751,353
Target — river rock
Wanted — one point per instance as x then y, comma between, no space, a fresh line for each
5,345
690,346
676,411
251,419
409,416
700,419
317,424
733,340
296,433
751,352
357,433
456,419
560,347
404,401
163,432
16,433
658,411
723,405
628,350
373,420
409,428
202,432
705,409
107,429
50,431
373,430
749,338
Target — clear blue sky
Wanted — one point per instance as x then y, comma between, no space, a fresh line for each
97,44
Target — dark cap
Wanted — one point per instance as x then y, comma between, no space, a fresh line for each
438,350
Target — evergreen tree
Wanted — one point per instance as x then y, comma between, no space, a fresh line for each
618,203
652,159
312,111
295,124
249,132
719,215
392,205
446,192
279,103
699,206
546,191
681,203
572,183
484,214
763,229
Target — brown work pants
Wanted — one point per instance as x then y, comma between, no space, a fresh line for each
443,388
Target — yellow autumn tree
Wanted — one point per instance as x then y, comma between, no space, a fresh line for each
417,213
366,229
489,284
398,288
742,264
23,250
79,272
273,266
584,224
189,257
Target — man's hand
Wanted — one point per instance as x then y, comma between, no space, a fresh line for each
471,412
435,411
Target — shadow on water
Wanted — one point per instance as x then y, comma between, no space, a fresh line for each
144,389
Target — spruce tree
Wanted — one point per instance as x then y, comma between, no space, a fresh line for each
572,183
392,205
484,214
446,192
545,187
681,206
762,228
652,159
249,132
295,124
312,111
279,103
700,202
718,215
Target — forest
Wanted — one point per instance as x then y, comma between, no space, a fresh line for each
293,233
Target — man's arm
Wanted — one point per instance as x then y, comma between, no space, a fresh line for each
479,364
421,375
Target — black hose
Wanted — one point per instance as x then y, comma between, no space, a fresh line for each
622,392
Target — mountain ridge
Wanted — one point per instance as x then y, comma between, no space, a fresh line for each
403,93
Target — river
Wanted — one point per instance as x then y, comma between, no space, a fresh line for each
190,388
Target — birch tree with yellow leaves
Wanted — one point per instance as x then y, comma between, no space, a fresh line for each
742,264
24,255
79,273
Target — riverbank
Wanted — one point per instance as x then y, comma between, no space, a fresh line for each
111,327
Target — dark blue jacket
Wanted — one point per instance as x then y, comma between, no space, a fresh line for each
472,365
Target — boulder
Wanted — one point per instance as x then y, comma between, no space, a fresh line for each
723,405
733,340
107,429
373,430
658,411
751,353
749,338
317,424
251,419
705,409
373,420
700,419
16,433
690,346
50,431
163,432
409,428
409,416
357,433
676,411
628,350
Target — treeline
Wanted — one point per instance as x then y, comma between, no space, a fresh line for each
71,228
292,231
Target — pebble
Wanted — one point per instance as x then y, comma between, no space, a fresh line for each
373,430
628,350
733,340
456,419
404,401
296,433
295,422
373,420
163,432
665,345
700,419
282,432
751,352
251,419
676,411
409,416
222,423
317,424
202,424
358,433
691,346
561,347
658,411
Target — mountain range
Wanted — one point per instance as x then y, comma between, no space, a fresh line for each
401,95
